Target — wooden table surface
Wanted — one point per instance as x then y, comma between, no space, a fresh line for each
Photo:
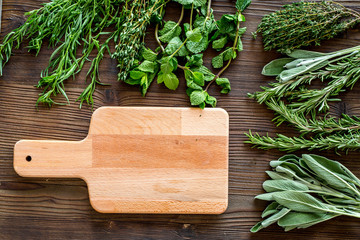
60,208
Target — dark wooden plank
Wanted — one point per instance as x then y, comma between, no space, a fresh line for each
59,208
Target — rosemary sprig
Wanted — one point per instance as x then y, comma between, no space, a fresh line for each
305,23
294,103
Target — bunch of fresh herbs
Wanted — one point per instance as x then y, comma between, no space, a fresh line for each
308,190
295,103
93,25
305,23
185,42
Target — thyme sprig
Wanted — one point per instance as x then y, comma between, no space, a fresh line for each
305,23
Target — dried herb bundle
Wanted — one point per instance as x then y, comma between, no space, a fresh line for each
294,103
305,23
306,191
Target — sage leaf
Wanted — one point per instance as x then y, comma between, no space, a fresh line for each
275,67
328,171
257,227
278,176
300,53
270,209
283,185
275,217
301,202
296,219
265,196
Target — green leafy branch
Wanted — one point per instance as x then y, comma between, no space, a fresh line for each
187,41
306,191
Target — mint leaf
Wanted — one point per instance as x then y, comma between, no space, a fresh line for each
136,74
225,84
148,54
184,2
171,29
132,81
242,31
145,83
194,35
218,61
210,100
174,45
197,47
147,66
170,80
194,60
228,54
197,97
219,43
241,5
199,78
208,75
168,64
239,46
199,3
227,24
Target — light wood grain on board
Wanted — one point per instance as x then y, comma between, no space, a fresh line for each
142,160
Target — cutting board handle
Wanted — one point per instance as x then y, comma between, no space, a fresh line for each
33,158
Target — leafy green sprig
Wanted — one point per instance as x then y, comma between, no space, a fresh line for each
306,191
305,23
187,42
294,103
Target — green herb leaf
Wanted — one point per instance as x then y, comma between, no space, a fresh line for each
174,45
136,74
301,202
225,84
169,79
283,185
197,97
147,66
241,5
148,54
194,35
219,43
171,29
275,67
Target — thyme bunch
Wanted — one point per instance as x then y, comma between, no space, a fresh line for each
305,23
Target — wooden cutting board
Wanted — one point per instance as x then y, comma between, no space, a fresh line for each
142,160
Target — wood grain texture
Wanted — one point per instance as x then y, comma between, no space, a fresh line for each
142,160
60,209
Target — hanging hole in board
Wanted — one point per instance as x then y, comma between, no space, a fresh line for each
28,158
